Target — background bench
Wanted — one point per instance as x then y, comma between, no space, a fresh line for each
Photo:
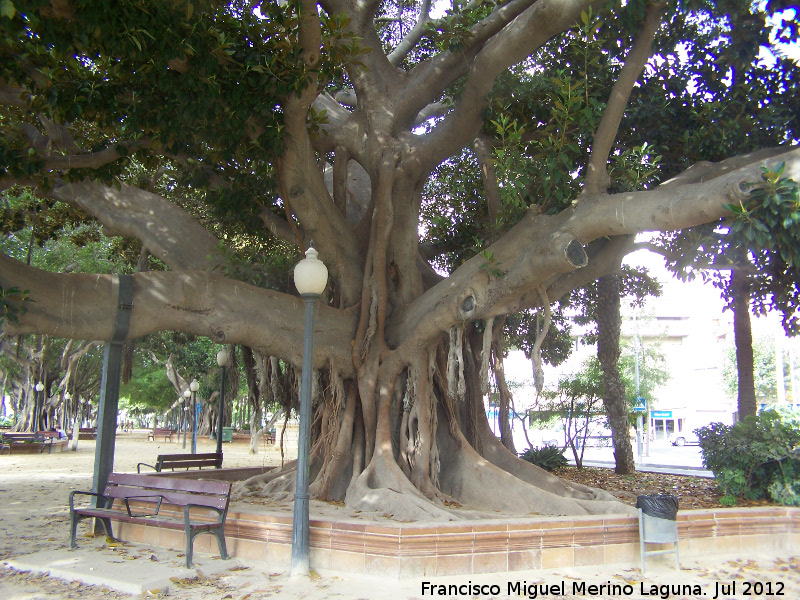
39,440
149,499
86,433
184,461
158,432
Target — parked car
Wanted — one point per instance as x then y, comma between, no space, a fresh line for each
684,438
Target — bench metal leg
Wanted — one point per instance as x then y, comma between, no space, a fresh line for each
223,549
218,533
74,519
189,547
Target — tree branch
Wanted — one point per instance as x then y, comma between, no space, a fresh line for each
517,40
597,179
540,249
93,160
279,227
673,206
482,146
83,306
12,95
168,231
301,179
409,42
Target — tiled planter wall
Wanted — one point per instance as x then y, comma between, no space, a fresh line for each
410,550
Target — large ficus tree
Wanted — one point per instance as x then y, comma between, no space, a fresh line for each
207,129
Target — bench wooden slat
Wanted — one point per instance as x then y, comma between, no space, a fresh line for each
160,482
170,497
136,489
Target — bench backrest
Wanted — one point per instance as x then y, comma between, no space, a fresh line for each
23,437
179,492
187,461
162,430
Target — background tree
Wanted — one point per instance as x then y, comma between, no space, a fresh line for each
578,398
752,258
764,371
196,126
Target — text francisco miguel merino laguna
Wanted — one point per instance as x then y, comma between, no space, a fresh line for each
581,588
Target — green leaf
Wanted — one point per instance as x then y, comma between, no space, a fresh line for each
7,9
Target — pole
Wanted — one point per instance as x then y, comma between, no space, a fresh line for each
639,415
639,425
194,423
36,394
300,560
110,379
184,421
220,408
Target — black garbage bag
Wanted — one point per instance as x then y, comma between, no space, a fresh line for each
663,506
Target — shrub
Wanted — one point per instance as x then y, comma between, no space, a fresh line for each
757,458
548,458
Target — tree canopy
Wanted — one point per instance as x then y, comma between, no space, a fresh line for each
453,172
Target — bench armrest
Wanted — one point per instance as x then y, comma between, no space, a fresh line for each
219,512
138,467
100,497
148,498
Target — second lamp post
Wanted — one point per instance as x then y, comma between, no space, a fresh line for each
223,358
193,387
310,278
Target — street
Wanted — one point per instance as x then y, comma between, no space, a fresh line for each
663,457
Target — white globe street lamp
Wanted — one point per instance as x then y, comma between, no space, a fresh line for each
223,359
186,395
310,278
38,405
193,387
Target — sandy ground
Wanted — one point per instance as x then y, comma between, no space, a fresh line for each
34,492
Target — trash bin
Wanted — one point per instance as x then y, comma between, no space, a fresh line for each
227,434
658,524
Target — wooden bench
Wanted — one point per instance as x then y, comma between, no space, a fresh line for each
26,440
184,461
147,500
53,439
85,433
159,432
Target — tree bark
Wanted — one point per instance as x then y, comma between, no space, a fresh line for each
608,332
743,337
505,408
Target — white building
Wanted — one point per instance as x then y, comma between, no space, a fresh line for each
692,330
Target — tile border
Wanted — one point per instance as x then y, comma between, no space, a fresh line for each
457,548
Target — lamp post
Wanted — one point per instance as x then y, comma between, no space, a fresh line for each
223,358
186,395
310,278
67,409
194,386
36,403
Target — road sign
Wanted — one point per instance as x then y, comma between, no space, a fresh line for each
640,406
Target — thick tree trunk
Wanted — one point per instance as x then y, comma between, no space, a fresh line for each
743,337
608,331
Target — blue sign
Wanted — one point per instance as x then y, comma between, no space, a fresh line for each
640,406
661,414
